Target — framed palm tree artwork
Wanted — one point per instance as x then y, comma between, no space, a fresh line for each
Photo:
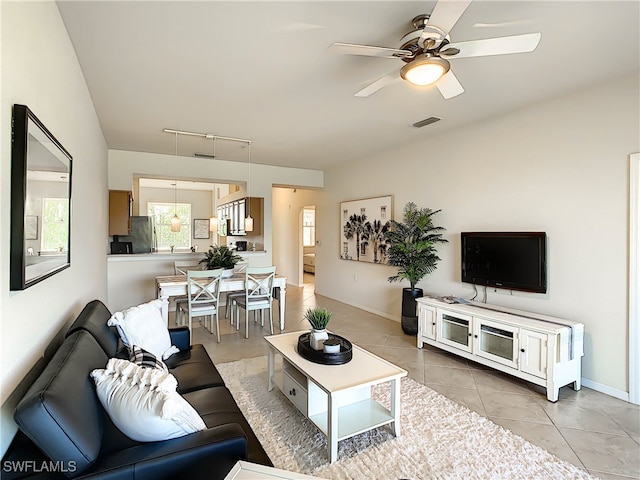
363,226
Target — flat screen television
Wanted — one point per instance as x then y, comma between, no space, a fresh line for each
509,260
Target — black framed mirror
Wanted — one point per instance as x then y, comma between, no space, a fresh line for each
40,202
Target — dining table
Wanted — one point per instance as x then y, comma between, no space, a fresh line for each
168,286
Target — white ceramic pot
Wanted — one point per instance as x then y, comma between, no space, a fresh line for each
228,273
317,338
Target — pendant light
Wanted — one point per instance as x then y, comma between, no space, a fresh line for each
175,221
213,220
248,221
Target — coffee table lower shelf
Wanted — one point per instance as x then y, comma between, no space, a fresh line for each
356,418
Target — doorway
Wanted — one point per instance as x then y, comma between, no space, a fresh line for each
308,245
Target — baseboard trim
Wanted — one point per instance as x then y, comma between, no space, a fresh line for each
607,390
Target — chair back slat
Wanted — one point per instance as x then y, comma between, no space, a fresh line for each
259,283
204,286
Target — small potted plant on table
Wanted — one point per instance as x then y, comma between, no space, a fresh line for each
318,318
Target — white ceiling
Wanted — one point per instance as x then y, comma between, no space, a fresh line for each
262,71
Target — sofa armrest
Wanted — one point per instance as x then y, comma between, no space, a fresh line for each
207,454
180,337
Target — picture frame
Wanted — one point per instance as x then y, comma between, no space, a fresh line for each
30,227
201,228
40,177
363,224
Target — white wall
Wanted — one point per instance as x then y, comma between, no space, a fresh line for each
124,165
559,166
40,70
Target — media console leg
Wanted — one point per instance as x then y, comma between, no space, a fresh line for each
577,384
552,392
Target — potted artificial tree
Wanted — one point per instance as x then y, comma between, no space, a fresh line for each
412,250
221,257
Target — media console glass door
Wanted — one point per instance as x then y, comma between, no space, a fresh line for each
496,341
455,329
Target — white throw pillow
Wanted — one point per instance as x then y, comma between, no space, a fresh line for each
143,326
143,402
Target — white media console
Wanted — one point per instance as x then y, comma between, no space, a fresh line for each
544,350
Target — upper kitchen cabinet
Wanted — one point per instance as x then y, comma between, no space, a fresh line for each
120,202
232,215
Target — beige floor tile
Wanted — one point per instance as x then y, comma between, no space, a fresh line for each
611,476
628,417
582,417
467,397
513,406
402,355
442,358
455,377
493,380
619,455
545,436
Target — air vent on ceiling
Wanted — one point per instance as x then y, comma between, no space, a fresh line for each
426,121
204,155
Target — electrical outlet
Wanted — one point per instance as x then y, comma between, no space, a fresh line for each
355,278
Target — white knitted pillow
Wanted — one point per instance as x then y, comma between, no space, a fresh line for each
143,402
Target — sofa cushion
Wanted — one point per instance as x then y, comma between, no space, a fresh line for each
217,407
93,319
61,413
143,402
194,369
143,325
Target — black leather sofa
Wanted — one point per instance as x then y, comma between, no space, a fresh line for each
65,432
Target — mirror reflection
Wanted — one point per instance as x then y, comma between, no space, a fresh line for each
45,202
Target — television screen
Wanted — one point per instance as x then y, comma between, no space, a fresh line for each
510,260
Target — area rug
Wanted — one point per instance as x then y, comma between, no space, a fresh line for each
440,439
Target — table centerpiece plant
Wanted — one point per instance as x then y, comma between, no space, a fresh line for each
220,257
318,318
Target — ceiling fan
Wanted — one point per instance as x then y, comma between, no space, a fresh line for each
426,50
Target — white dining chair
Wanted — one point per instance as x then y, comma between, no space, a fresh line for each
181,268
203,288
258,296
239,268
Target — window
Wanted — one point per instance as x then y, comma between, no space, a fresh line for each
55,224
308,227
162,214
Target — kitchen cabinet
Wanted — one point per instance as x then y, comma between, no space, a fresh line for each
541,349
120,202
231,216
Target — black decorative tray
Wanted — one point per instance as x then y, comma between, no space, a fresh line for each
319,356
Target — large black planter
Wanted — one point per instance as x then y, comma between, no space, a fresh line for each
409,316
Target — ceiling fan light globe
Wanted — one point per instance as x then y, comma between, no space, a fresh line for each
425,70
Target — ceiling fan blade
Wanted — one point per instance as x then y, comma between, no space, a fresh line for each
389,78
496,46
449,86
446,13
369,51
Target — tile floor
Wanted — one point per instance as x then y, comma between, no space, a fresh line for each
594,431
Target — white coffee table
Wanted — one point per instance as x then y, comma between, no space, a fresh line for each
336,398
